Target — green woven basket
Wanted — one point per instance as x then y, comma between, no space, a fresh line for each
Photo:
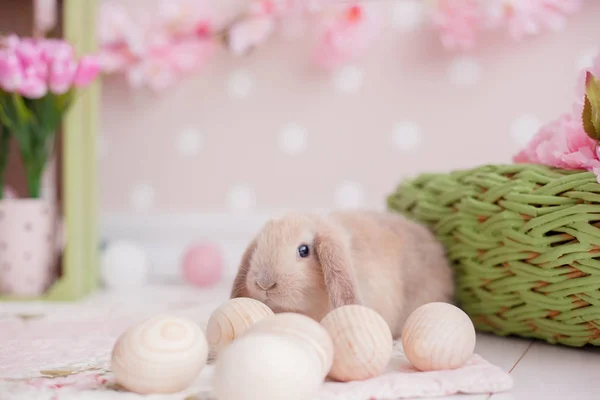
525,244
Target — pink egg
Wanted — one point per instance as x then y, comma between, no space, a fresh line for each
202,264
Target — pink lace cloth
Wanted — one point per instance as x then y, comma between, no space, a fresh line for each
62,351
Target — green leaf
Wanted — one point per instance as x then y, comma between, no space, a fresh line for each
588,125
591,108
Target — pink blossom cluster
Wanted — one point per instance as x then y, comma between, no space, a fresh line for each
563,143
34,67
346,34
461,21
156,49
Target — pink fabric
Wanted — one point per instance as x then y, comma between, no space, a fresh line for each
62,351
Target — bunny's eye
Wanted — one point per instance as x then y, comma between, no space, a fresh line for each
303,251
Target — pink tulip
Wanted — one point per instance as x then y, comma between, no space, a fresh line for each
53,49
33,86
87,71
63,68
29,53
11,74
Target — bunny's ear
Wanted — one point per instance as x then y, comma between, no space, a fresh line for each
333,252
239,284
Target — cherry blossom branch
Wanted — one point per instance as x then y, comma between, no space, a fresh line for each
157,50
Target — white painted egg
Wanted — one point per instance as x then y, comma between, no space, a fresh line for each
267,367
362,342
308,331
438,336
163,354
232,319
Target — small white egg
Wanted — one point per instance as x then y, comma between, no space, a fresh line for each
123,265
232,319
305,329
267,367
163,354
362,342
438,336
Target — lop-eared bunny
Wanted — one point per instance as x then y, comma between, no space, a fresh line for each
312,264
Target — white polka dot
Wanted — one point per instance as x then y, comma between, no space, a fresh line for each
407,136
349,195
142,197
586,58
292,139
241,198
464,71
407,15
240,84
349,79
189,142
101,146
524,128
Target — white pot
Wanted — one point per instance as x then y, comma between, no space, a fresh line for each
28,254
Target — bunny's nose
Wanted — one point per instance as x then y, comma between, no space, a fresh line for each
266,284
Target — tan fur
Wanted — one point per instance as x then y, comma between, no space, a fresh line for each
380,260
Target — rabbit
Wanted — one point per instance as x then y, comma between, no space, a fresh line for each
311,264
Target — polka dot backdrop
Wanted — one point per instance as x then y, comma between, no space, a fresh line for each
268,131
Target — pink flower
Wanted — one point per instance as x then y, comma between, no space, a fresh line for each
458,22
190,55
247,34
62,72
116,60
11,72
155,73
184,18
116,25
87,70
33,85
346,35
529,17
563,144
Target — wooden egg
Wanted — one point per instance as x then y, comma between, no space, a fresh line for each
163,354
308,331
267,366
362,342
232,319
438,336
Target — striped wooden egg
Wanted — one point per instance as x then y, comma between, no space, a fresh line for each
232,319
438,336
163,354
362,342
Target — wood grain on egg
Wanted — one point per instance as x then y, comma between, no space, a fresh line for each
163,354
309,332
232,319
438,336
362,342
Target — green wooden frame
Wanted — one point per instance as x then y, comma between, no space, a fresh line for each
80,272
